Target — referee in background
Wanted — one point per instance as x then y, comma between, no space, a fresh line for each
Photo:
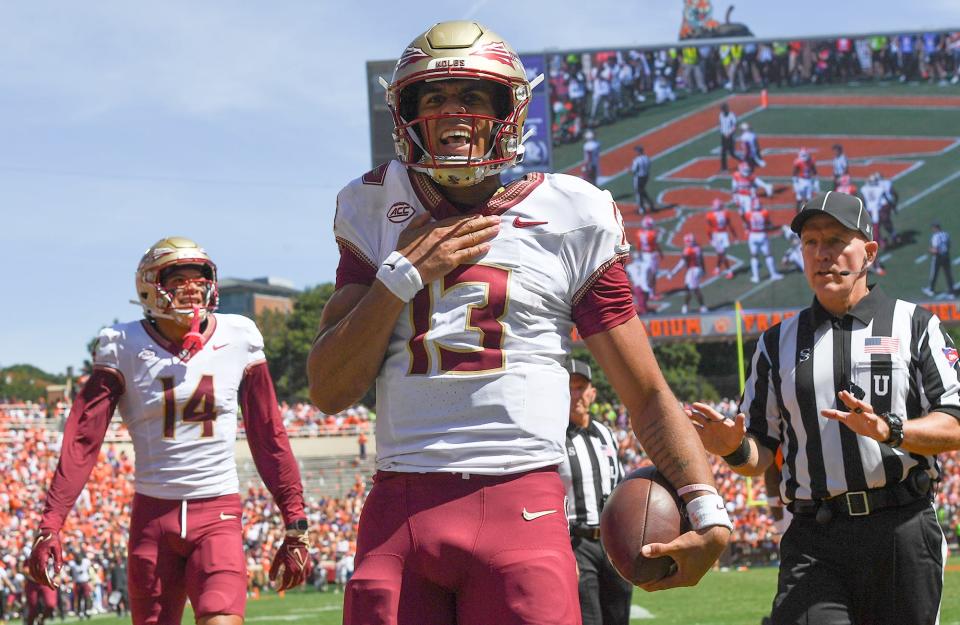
640,168
862,392
589,473
728,127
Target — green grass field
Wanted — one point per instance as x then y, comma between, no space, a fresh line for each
928,192
721,598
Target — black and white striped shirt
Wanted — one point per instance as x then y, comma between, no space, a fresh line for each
589,472
893,352
728,123
641,166
840,166
940,241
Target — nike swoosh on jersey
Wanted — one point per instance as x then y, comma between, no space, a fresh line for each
530,516
227,517
216,347
519,223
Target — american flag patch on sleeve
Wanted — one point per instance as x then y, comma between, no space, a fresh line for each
951,354
881,345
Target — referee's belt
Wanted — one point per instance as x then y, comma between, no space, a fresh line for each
585,531
865,502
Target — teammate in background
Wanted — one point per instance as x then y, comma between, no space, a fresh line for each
720,229
888,206
939,260
591,157
461,312
874,196
758,224
804,177
750,147
635,271
640,168
840,165
650,256
692,259
38,603
178,377
744,184
793,256
845,185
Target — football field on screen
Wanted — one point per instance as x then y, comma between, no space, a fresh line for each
909,134
721,598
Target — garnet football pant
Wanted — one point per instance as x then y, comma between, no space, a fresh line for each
451,548
179,549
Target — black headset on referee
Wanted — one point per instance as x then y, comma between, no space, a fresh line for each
861,392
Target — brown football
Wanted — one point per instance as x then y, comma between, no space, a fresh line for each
642,509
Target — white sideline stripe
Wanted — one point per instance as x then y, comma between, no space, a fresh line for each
637,612
932,189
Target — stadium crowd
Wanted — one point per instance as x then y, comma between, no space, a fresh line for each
591,89
95,531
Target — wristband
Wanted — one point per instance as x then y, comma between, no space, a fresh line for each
689,488
741,456
400,276
707,511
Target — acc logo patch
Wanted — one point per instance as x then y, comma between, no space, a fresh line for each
400,212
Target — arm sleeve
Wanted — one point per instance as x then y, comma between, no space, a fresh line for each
353,268
759,402
939,383
268,441
607,304
86,426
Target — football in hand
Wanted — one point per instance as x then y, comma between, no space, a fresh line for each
642,509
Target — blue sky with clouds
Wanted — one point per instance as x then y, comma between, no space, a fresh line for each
235,123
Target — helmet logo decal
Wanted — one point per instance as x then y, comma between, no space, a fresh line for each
496,51
411,55
400,212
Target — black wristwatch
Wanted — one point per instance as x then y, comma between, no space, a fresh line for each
297,527
895,423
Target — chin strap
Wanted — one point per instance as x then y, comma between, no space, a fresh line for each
193,340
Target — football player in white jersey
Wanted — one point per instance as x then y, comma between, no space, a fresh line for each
178,377
458,296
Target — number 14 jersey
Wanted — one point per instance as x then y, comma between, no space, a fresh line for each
473,377
182,413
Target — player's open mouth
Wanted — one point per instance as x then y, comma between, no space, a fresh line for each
455,137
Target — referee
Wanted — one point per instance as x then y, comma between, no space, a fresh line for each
861,392
640,168
589,473
728,126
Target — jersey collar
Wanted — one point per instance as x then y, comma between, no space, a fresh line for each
508,196
169,345
864,311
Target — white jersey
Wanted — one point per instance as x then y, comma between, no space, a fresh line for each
473,378
873,199
182,416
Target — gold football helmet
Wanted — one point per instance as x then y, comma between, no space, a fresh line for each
460,50
165,254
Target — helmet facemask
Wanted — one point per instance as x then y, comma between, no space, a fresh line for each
460,51
185,313
159,301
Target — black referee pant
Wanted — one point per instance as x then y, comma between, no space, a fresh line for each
726,147
604,595
885,568
644,201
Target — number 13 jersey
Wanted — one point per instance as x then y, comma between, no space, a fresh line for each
473,377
